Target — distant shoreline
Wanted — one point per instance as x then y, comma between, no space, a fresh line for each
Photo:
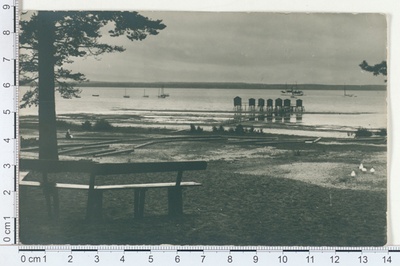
212,85
229,85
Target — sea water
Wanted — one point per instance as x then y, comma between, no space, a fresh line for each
323,108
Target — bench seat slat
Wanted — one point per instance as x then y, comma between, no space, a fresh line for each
57,185
30,183
72,186
54,166
111,187
149,185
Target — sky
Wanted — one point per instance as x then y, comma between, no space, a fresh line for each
272,48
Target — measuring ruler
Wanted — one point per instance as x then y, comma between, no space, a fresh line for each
8,121
173,255
13,254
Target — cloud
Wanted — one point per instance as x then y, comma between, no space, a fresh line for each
249,47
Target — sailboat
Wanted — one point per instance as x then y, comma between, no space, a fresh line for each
345,93
144,94
161,93
126,95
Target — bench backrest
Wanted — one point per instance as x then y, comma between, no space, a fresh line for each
54,166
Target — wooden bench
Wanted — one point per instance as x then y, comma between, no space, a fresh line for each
95,192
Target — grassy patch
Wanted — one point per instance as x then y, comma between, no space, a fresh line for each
229,209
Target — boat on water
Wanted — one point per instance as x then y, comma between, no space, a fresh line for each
346,94
126,95
292,92
162,94
144,94
95,95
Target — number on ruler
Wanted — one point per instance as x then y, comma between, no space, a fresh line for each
6,85
6,59
387,259
6,6
335,259
283,259
310,259
363,259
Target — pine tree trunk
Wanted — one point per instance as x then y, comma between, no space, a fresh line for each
47,109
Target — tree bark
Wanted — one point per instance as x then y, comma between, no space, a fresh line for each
47,108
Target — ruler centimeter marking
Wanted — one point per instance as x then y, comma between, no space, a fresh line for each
171,255
8,122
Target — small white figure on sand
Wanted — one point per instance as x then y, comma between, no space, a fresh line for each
68,135
372,170
364,170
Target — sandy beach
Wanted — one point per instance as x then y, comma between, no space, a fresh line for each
248,177
328,162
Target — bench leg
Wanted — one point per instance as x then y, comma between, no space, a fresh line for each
56,203
95,205
52,201
98,204
175,205
139,203
22,192
51,196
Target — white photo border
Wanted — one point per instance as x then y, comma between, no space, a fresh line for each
391,8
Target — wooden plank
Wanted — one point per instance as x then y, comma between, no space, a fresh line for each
30,149
86,147
92,138
127,168
23,174
316,140
72,186
110,141
114,152
55,166
144,144
57,185
93,152
110,187
175,203
179,179
91,198
149,185
29,183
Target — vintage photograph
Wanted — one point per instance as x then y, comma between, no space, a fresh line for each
203,128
